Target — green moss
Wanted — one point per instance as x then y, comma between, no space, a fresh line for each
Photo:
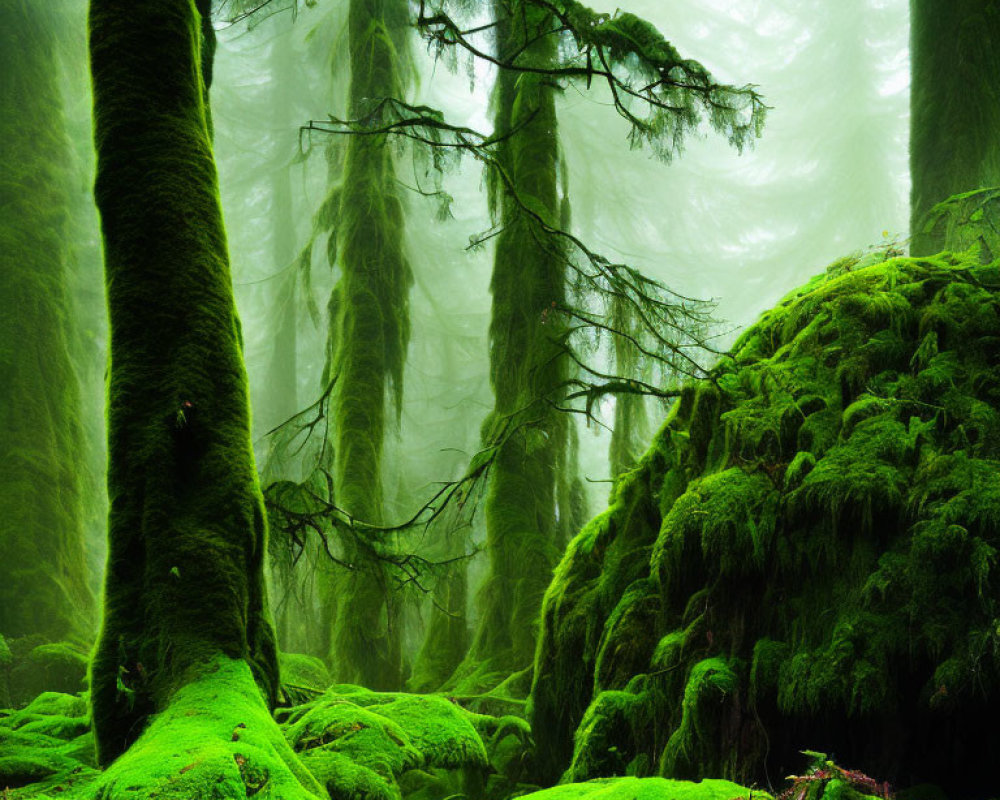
52,703
647,789
826,562
627,640
46,746
368,338
692,748
600,563
187,531
304,672
216,738
728,517
801,465
359,743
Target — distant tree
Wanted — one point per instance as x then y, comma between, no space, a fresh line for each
550,294
955,107
43,573
368,339
548,288
527,365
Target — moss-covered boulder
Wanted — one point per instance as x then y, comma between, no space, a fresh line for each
34,665
806,554
302,677
359,743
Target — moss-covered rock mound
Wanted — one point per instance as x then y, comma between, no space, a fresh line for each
806,555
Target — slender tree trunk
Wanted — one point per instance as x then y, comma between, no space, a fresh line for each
955,107
292,587
184,592
43,580
370,323
446,636
526,370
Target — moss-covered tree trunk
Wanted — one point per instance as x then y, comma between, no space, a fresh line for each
185,610
369,334
43,582
955,108
526,368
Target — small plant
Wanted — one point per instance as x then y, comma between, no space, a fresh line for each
823,772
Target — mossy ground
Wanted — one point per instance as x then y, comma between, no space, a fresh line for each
805,555
216,739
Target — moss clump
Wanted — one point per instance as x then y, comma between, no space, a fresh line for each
359,743
302,672
815,536
647,789
46,746
215,739
35,668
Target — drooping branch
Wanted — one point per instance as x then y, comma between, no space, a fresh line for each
670,329
662,95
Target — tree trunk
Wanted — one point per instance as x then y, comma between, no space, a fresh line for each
43,581
526,369
955,107
370,320
185,614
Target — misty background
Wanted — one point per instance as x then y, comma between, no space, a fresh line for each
827,178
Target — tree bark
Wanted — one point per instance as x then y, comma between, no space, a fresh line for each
955,107
370,326
184,591
526,368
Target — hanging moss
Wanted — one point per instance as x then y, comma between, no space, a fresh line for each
526,369
814,539
369,333
184,600
43,573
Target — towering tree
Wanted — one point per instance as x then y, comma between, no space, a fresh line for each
43,583
185,633
955,107
369,332
526,365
